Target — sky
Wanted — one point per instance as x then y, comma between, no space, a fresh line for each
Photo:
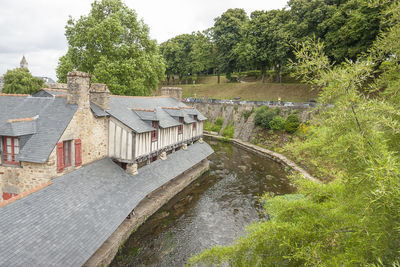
36,28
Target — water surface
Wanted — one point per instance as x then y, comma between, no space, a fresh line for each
213,210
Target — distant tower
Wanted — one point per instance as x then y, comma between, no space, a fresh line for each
23,63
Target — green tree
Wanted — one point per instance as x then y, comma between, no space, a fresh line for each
228,33
268,40
21,81
112,45
177,54
354,220
203,52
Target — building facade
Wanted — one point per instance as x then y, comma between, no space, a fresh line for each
56,131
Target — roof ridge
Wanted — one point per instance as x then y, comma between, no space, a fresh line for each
133,96
21,120
171,108
142,109
61,96
4,94
54,90
188,107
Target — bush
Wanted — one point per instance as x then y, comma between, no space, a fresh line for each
264,115
247,113
277,123
228,131
207,126
292,123
219,121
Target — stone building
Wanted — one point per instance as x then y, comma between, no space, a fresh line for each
56,131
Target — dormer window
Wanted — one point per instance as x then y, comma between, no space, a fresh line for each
11,150
154,132
180,127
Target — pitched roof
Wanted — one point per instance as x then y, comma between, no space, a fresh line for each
19,127
52,117
165,109
65,223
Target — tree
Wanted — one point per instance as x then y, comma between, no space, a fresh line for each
228,33
268,40
112,45
203,52
177,54
353,220
21,81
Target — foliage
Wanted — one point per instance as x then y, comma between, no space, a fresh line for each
227,33
112,45
277,123
21,81
354,220
264,115
292,123
207,126
228,131
247,113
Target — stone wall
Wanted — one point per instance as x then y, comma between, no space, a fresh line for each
233,113
92,131
172,91
85,126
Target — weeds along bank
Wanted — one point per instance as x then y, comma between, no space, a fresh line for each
239,121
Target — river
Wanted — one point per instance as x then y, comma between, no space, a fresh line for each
213,210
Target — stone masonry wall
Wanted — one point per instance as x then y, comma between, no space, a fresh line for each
85,126
233,113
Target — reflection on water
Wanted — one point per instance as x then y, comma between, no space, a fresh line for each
213,210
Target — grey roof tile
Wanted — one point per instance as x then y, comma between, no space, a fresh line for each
18,128
66,222
134,120
97,111
54,115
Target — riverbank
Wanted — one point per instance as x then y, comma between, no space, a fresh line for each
281,159
147,207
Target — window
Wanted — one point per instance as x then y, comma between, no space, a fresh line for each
154,133
11,150
180,127
67,153
195,123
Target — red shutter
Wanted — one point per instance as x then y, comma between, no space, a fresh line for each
78,152
60,161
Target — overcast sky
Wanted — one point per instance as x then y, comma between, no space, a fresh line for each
36,28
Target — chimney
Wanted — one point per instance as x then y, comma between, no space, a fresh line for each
100,95
172,91
78,88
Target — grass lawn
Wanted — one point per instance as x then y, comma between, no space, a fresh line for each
291,92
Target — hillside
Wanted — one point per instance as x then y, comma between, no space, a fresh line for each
293,92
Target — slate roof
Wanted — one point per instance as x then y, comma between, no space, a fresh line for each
19,128
53,116
97,111
65,223
136,119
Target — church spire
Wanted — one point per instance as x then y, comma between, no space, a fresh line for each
23,63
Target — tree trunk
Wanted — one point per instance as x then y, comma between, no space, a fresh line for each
218,76
173,79
263,71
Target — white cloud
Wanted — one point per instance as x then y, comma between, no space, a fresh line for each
36,28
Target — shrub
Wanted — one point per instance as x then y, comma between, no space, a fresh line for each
292,123
207,126
277,123
264,115
219,121
228,131
247,113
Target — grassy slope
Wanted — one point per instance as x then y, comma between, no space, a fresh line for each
293,92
